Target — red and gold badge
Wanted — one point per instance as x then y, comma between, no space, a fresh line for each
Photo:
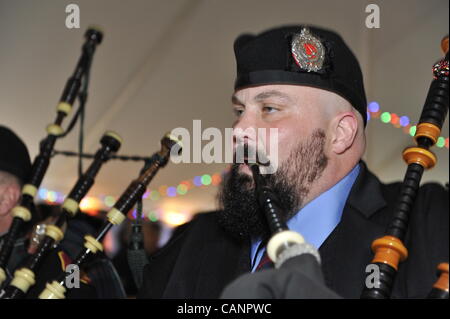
308,51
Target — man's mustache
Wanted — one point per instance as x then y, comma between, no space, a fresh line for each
245,153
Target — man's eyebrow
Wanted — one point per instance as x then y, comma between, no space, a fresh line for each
235,100
273,93
262,96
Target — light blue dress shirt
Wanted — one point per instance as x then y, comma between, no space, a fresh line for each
318,218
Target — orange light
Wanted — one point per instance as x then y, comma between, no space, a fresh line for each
188,184
394,119
162,190
216,179
91,205
174,218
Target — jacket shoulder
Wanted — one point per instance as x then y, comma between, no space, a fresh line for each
429,195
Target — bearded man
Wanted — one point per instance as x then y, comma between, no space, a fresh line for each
305,82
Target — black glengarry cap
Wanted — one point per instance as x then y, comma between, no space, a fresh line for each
300,55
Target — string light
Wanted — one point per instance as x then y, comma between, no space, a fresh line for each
440,142
206,179
373,107
154,195
109,201
152,216
171,191
394,119
42,193
385,117
198,181
182,189
403,122
216,179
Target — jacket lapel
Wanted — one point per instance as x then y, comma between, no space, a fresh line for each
346,252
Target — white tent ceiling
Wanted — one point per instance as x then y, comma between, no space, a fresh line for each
163,64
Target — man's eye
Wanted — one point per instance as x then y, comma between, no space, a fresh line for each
269,109
238,112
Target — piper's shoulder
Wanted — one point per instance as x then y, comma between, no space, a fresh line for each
428,189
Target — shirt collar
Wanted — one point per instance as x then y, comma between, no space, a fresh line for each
319,217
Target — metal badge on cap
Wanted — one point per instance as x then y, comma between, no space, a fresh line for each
308,51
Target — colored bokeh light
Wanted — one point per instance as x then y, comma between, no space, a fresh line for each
404,120
188,184
197,181
152,216
206,179
90,205
373,107
440,142
109,201
162,190
42,193
216,179
385,117
154,195
394,118
171,191
182,189
174,218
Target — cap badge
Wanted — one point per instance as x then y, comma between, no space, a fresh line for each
308,51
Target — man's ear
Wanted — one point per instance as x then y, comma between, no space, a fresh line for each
343,128
9,198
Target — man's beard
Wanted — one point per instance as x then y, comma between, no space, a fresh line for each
240,215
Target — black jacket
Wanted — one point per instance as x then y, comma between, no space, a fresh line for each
201,259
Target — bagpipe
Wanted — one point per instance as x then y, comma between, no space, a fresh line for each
22,213
390,250
26,276
297,272
56,289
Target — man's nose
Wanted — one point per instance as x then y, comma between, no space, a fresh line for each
246,120
245,129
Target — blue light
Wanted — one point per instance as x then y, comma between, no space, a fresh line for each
404,120
42,193
373,107
197,181
171,191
